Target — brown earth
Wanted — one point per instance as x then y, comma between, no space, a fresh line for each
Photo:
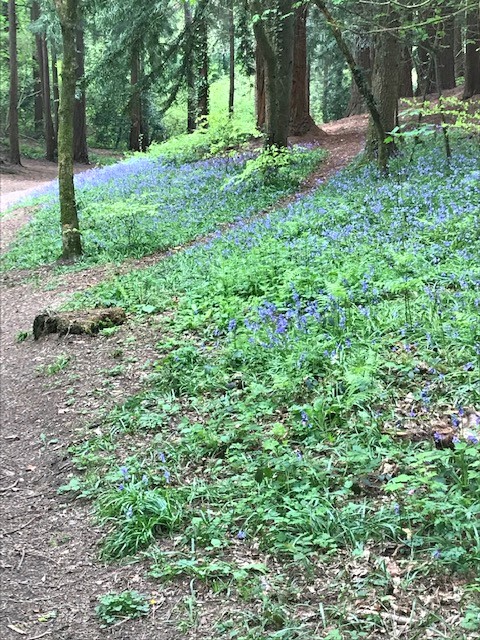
52,390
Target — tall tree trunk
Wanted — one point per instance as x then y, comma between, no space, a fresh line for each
231,62
13,132
259,88
458,46
137,141
80,151
50,139
203,86
189,69
445,54
276,47
55,88
472,55
364,55
300,119
405,85
37,71
385,83
71,239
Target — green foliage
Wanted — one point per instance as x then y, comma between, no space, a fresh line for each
148,204
303,368
275,166
115,607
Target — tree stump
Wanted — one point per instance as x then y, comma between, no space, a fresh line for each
88,321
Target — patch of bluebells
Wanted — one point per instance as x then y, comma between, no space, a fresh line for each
144,205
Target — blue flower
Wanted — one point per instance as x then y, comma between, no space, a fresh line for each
241,535
124,472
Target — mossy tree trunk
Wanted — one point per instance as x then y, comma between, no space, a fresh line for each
13,106
71,240
80,150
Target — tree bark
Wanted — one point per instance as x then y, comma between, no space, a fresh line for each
37,72
55,87
405,84
385,84
445,54
364,55
80,150
71,239
472,55
138,141
203,86
458,47
50,138
300,119
275,42
13,132
259,88
231,62
189,69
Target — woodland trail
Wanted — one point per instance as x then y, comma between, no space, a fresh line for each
52,389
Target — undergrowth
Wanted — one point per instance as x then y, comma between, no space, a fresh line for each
149,204
312,422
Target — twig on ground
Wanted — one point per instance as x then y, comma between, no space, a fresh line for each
22,558
12,486
23,526
45,633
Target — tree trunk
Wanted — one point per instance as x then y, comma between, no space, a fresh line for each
445,54
458,47
203,87
472,55
275,42
300,119
385,84
80,151
71,239
425,72
138,140
37,72
259,88
405,85
50,139
13,132
189,69
231,63
364,56
55,87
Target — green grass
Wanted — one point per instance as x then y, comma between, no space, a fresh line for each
312,370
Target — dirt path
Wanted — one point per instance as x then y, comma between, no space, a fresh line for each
50,389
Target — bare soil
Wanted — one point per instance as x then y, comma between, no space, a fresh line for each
51,390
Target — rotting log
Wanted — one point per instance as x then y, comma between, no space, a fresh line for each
88,321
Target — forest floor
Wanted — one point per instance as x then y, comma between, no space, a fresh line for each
51,576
